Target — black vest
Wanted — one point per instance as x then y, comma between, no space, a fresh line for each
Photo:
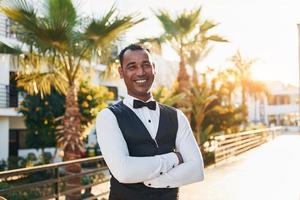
140,144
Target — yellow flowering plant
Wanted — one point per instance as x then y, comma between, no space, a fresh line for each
92,99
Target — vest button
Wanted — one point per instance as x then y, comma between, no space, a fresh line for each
149,184
168,186
160,173
149,121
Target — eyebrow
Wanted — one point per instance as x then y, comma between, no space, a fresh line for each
131,63
143,62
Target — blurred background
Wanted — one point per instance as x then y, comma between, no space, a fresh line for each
231,66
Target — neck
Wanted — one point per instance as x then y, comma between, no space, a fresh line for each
143,97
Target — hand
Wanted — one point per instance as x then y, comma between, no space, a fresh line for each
179,156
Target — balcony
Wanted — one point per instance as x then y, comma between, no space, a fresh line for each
8,96
6,27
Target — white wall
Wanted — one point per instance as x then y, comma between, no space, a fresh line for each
24,152
4,135
257,110
6,112
16,123
281,109
4,69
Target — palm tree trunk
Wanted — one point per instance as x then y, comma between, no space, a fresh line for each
73,143
243,97
43,155
197,134
195,76
255,110
184,86
244,106
183,78
230,98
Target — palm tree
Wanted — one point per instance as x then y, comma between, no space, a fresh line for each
201,100
60,44
188,36
166,96
200,47
242,71
177,33
258,90
228,84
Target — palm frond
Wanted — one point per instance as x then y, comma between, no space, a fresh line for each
9,49
40,83
58,9
166,96
216,38
187,21
154,44
108,28
59,23
21,12
52,29
168,24
207,25
172,100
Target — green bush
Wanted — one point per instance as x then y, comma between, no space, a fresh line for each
47,158
20,195
15,162
24,195
3,165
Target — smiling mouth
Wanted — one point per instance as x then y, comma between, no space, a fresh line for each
141,81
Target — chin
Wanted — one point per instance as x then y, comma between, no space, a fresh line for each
141,94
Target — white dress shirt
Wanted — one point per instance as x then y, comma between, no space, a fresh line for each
158,171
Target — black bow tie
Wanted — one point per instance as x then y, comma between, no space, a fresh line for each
139,104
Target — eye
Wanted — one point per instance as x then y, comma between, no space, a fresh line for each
131,67
146,65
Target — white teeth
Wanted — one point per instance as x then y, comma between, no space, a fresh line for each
140,81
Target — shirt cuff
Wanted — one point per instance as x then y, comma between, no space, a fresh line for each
168,161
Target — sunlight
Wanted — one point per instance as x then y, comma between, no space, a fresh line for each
270,39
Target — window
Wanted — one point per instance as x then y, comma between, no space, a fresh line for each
279,100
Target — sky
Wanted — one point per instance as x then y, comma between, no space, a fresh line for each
262,30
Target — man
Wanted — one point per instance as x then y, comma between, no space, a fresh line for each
149,148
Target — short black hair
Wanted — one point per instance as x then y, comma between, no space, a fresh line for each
132,47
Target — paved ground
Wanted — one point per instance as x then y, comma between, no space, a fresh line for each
268,172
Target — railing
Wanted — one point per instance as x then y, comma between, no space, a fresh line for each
49,181
8,96
4,96
227,146
5,27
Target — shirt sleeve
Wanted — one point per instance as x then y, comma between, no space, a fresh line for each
191,170
125,168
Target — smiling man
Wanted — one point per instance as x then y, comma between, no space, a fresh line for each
149,148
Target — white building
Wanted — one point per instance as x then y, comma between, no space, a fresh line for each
281,108
11,122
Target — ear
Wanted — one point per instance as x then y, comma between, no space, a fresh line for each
120,69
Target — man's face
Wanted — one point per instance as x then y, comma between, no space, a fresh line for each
138,73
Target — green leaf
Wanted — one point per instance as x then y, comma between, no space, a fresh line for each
217,38
207,25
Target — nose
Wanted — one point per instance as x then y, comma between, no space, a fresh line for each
140,71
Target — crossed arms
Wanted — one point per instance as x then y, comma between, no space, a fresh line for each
154,171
